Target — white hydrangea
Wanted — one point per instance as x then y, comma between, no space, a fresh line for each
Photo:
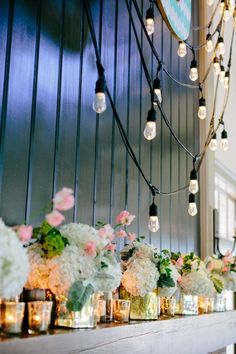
80,234
197,283
14,264
108,278
229,279
140,277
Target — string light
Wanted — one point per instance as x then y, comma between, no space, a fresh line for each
231,7
226,80
182,50
193,70
209,44
224,140
193,184
213,143
150,128
216,65
226,13
202,112
157,89
99,103
222,73
192,207
150,24
220,46
222,6
210,2
153,223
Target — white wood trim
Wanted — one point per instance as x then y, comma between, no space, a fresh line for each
184,335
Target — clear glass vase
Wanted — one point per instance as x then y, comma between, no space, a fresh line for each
220,302
75,319
142,308
186,304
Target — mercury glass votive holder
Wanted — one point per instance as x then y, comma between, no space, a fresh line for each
39,316
121,310
12,314
220,302
203,304
211,301
168,305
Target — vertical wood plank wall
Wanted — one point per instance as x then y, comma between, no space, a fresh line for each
50,136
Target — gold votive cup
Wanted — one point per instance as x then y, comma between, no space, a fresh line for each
39,316
121,310
100,309
203,304
12,314
211,301
168,305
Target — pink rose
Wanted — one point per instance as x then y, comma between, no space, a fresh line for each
180,262
121,233
90,248
124,218
64,200
55,218
111,247
131,236
228,258
225,269
24,232
106,232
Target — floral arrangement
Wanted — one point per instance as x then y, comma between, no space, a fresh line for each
222,272
194,279
14,264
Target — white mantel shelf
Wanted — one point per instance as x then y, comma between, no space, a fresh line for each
183,335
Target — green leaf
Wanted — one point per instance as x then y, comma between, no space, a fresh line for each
78,296
99,224
165,281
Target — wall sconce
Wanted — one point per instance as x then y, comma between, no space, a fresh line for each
217,238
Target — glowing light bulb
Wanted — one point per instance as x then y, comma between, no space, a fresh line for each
226,80
222,6
224,141
192,207
220,46
210,2
209,44
153,223
222,73
150,128
182,50
157,89
193,184
150,24
213,143
99,103
216,65
226,15
202,112
193,70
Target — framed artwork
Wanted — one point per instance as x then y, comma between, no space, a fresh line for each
177,15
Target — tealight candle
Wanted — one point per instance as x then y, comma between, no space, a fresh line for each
210,304
12,314
121,310
39,315
168,306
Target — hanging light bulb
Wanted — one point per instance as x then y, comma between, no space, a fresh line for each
182,50
99,103
226,13
193,185
222,73
231,7
213,143
202,112
210,2
224,140
157,89
226,80
150,21
222,6
192,207
220,46
193,70
216,64
209,43
150,128
153,223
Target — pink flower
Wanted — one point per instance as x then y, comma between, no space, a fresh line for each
225,269
179,279
106,232
228,258
180,262
121,233
194,264
25,232
64,200
90,248
124,218
55,218
111,247
131,236
139,254
210,266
